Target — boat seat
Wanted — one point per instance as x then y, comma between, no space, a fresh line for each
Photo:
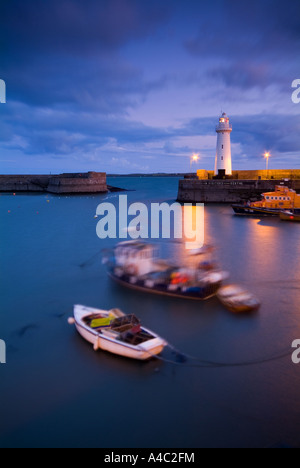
110,333
123,328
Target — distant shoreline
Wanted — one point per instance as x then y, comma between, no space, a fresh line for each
148,175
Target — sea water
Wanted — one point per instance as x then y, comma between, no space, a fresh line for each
56,391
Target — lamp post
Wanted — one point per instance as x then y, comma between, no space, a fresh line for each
193,159
267,156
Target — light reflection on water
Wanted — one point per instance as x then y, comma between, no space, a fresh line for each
56,391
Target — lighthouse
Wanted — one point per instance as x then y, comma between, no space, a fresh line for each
223,154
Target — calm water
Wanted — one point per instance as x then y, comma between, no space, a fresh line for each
56,391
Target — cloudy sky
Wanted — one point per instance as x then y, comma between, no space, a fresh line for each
138,85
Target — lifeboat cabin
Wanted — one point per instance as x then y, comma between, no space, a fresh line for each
282,199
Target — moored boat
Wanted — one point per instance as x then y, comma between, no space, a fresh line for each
237,299
271,204
290,216
137,265
117,333
250,210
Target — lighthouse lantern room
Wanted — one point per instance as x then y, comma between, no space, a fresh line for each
223,154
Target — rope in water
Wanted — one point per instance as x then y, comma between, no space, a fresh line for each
182,360
90,261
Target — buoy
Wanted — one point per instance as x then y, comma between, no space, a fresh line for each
48,201
71,321
14,194
9,211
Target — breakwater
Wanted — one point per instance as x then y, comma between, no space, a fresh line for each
90,182
273,174
227,191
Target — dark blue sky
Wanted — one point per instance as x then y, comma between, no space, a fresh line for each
138,85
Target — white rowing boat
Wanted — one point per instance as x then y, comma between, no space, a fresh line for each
117,333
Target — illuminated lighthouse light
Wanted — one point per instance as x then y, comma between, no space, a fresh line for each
223,154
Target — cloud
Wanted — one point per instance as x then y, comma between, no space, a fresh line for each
248,47
56,131
76,27
243,75
67,53
99,82
128,165
102,86
230,29
278,133
90,137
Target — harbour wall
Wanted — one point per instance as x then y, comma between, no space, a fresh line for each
228,191
91,182
277,174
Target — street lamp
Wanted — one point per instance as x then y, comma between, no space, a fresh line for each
194,159
267,156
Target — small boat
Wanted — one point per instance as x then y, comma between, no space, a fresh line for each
271,204
290,216
137,265
238,300
117,333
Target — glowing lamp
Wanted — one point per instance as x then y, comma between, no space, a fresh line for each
267,155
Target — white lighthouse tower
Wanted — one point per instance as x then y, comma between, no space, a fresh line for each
223,155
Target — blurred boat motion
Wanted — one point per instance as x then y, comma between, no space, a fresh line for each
237,299
138,265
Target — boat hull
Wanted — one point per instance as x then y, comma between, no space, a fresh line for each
240,309
258,212
197,294
251,211
291,217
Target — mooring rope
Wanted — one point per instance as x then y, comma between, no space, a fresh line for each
90,261
182,360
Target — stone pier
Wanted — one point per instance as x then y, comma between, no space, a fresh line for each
228,191
81,183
